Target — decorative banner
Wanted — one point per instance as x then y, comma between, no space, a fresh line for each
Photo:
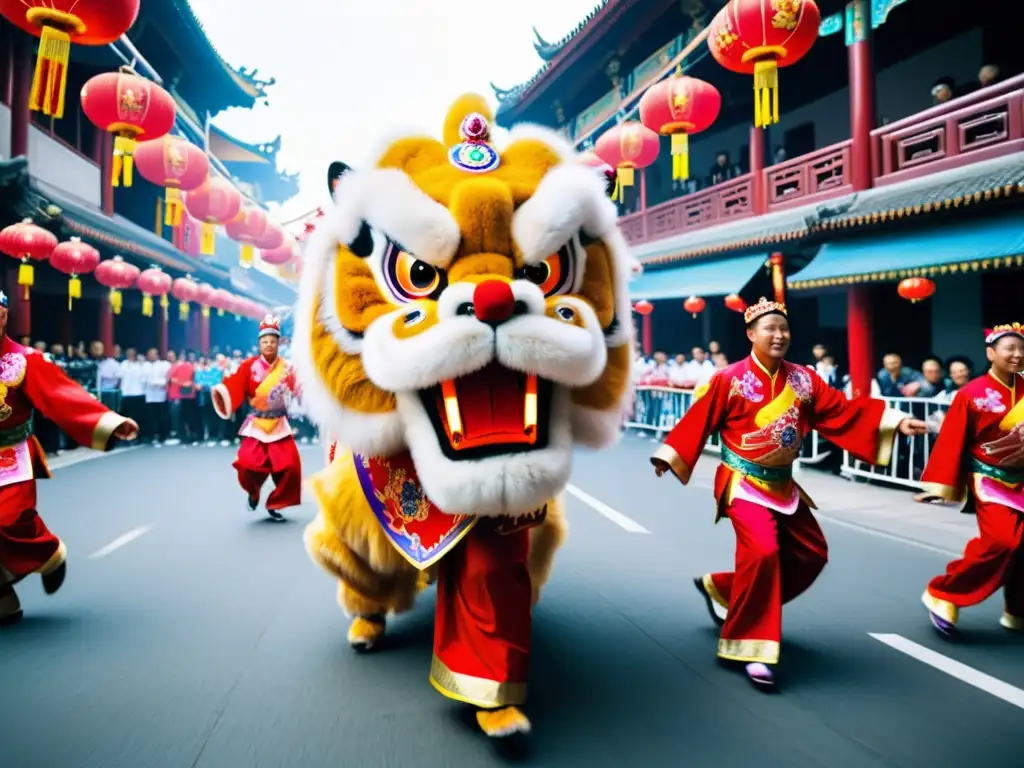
598,112
856,22
654,64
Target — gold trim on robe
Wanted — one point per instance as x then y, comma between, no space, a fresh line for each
941,608
888,428
945,492
1010,621
667,454
763,651
712,590
479,691
104,430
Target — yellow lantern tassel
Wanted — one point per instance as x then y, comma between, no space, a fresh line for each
207,239
115,301
172,207
246,258
220,312
206,311
50,80
680,156
26,276
164,304
158,226
74,289
147,305
183,311
766,93
625,179
122,167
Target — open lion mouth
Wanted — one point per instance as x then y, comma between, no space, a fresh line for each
491,412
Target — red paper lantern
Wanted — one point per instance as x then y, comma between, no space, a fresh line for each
117,275
154,282
205,296
678,107
74,258
735,303
27,242
214,202
694,305
184,290
58,24
175,164
758,37
248,228
626,147
221,301
130,107
285,253
916,289
643,307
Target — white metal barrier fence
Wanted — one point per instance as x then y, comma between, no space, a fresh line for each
657,409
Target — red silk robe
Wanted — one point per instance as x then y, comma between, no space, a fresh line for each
268,445
29,382
979,458
762,420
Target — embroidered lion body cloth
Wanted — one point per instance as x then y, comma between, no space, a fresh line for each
463,322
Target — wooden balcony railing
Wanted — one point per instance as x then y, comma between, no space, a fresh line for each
728,201
982,125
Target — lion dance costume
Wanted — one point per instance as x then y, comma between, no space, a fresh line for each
463,321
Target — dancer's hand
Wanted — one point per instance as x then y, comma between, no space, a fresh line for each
910,427
660,466
127,430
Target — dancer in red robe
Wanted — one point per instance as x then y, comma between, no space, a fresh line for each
29,382
762,407
979,458
268,445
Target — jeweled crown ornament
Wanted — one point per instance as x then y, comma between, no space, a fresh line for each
762,308
271,326
993,335
473,153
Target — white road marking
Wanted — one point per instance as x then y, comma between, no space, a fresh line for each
626,523
883,535
962,672
120,541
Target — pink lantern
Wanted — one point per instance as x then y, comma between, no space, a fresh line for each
627,147
287,252
184,289
154,282
248,229
175,164
272,238
221,301
206,295
214,202
74,258
117,275
27,242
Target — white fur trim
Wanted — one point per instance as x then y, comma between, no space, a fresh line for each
514,484
554,349
221,390
596,429
388,200
556,141
569,198
622,273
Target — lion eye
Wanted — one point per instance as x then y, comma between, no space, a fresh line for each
411,279
553,275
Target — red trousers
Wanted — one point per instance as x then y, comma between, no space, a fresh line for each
482,624
777,558
992,560
26,544
280,459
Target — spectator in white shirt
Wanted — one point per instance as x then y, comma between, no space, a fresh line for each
109,372
132,377
157,374
699,370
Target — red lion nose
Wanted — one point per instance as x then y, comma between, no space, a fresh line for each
493,302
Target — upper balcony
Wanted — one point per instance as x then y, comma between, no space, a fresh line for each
983,125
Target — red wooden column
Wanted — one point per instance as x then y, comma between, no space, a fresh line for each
777,262
647,335
757,152
862,92
19,89
106,324
860,344
106,189
162,323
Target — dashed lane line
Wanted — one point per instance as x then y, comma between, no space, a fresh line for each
621,520
120,541
962,672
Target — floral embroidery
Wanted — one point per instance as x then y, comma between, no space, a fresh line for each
992,402
12,373
800,382
404,495
749,387
787,14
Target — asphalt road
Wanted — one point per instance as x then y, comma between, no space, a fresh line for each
207,638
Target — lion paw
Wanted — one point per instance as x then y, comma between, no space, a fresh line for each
365,632
501,723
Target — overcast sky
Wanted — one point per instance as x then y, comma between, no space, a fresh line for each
348,69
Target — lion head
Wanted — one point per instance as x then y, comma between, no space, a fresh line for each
468,303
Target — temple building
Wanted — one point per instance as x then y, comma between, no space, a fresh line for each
898,154
57,172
